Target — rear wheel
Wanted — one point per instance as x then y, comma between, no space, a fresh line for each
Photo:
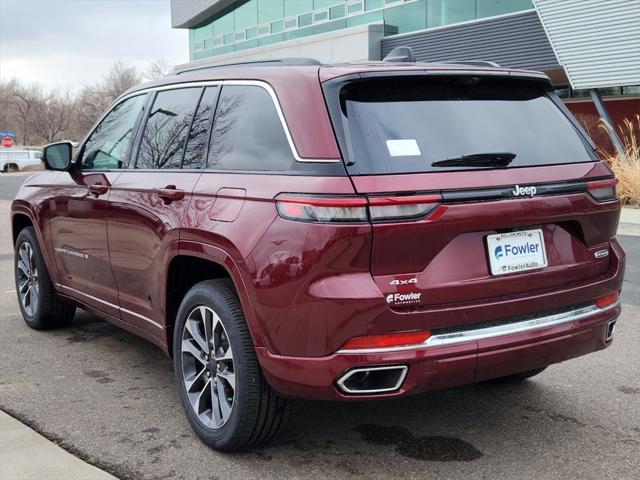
517,377
226,398
40,305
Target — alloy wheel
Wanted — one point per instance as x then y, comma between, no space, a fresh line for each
208,371
28,288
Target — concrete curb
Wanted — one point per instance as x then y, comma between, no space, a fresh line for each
629,222
26,455
630,215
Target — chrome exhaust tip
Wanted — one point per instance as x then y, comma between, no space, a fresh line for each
373,379
611,328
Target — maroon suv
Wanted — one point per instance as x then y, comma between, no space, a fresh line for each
340,232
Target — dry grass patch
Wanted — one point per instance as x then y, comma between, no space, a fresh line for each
627,166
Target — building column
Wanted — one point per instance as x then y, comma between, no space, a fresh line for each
604,114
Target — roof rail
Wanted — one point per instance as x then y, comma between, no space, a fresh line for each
400,54
473,63
255,63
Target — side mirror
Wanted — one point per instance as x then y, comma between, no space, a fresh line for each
57,156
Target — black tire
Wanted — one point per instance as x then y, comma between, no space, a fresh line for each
517,377
257,412
49,311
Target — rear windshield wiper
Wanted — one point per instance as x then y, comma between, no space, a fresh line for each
480,160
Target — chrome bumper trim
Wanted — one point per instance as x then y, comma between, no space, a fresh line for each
493,332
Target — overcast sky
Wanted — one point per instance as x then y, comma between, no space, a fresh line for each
74,42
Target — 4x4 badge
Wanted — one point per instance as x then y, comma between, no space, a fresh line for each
407,281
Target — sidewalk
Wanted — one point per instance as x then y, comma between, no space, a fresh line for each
26,455
629,221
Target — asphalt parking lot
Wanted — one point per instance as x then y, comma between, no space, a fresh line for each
108,397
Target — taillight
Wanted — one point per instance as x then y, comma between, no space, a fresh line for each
607,300
322,209
355,209
400,339
402,208
603,190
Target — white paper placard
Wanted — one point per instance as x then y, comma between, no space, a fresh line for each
407,147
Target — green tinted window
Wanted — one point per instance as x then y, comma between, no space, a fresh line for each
305,20
246,15
272,39
270,10
277,27
299,33
330,26
371,17
298,18
405,18
224,24
320,4
490,8
252,33
354,8
441,12
336,12
296,7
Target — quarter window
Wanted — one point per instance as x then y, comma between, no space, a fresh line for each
108,146
167,127
247,132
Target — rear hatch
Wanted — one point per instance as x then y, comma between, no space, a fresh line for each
486,186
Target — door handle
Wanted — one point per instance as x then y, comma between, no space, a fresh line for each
170,194
98,189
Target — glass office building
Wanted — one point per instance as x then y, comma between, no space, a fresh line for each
245,24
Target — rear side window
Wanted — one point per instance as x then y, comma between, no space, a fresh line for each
247,133
167,127
194,155
407,125
108,146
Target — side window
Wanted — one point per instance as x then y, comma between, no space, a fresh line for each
199,134
108,145
247,132
167,126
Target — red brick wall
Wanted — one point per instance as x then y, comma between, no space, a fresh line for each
619,109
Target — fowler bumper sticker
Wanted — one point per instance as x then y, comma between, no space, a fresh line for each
403,298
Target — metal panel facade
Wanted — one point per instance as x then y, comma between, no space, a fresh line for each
596,41
188,13
516,41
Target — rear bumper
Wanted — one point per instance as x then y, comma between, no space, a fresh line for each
452,359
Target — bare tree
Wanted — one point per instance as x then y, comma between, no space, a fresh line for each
38,116
53,114
158,69
94,99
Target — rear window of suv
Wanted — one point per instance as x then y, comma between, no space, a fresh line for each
418,124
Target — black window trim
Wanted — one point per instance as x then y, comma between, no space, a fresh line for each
258,83
205,160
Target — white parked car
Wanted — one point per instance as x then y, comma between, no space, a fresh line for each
12,160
